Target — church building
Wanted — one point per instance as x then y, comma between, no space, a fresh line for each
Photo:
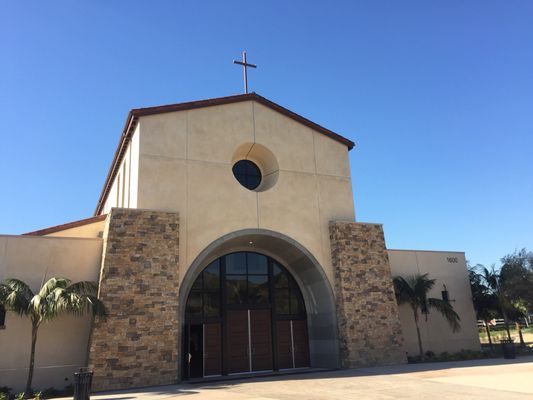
225,242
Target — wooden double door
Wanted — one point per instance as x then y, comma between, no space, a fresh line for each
247,342
292,344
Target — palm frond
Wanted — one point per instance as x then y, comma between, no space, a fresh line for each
51,284
447,311
19,286
4,292
413,290
421,283
37,304
403,290
56,296
15,296
84,287
491,277
96,306
78,304
17,302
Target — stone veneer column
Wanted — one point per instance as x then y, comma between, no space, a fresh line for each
138,343
369,326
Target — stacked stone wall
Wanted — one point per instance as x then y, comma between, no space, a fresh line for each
369,327
138,343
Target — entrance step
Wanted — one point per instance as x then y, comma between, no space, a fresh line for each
253,375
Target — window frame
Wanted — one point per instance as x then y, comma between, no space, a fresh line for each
3,313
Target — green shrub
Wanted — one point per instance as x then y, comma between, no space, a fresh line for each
69,389
445,356
51,392
3,396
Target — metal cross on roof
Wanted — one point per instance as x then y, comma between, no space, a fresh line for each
244,66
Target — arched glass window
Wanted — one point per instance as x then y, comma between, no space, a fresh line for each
244,279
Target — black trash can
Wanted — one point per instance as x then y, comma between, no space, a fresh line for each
508,348
82,384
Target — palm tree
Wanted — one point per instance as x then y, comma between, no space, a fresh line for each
484,300
414,291
57,296
496,285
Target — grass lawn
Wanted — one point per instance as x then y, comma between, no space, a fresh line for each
500,333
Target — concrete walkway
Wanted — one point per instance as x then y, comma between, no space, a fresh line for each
479,379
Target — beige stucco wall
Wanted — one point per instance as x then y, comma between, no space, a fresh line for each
124,188
92,230
435,332
185,165
61,344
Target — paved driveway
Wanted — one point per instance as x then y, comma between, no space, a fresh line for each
480,379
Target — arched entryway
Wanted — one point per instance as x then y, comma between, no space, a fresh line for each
245,313
263,255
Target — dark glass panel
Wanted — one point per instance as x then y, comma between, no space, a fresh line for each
258,289
247,173
2,315
198,282
236,263
240,168
212,276
211,304
252,181
194,305
292,282
257,264
281,278
276,269
236,289
282,301
297,304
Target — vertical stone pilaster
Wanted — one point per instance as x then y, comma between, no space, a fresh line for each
138,343
369,326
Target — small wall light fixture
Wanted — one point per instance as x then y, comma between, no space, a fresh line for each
445,294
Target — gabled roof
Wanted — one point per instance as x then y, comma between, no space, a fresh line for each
133,118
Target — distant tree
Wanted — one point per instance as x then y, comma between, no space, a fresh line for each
485,302
517,278
56,297
414,290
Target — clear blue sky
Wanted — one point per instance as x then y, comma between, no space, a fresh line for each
437,95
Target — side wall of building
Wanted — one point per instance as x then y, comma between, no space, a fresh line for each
448,268
124,189
62,343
